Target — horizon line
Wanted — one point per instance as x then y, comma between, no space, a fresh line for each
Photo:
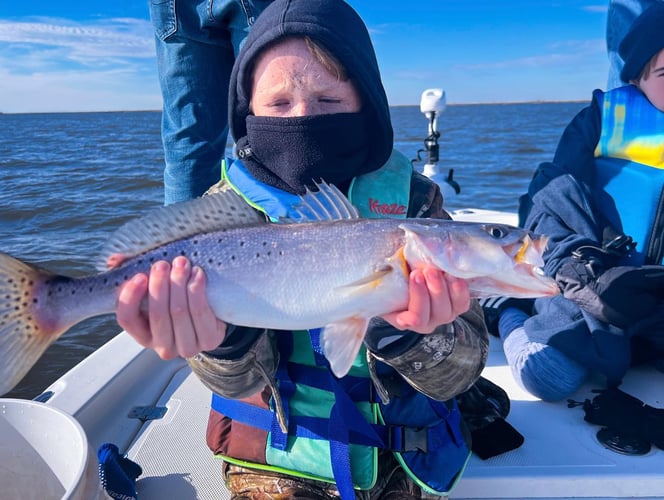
391,106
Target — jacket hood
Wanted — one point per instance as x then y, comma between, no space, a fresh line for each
338,28
644,39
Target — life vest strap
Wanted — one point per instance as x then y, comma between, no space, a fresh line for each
391,437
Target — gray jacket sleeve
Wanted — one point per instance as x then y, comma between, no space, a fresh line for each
239,368
442,364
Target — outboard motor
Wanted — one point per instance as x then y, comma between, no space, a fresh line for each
433,103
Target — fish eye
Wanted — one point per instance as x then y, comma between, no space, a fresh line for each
496,231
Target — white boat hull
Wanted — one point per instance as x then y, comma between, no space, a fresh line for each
560,458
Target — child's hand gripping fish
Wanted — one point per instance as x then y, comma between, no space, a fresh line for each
329,269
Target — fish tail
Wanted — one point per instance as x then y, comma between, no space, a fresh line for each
23,336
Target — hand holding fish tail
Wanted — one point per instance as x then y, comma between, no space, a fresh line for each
434,298
179,321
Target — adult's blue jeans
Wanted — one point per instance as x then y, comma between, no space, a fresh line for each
620,17
197,41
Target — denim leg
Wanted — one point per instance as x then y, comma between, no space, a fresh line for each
619,18
196,42
540,369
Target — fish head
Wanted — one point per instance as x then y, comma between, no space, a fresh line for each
495,259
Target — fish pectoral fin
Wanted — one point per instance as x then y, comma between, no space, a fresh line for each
369,282
341,342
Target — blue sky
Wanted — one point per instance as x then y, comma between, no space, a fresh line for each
72,55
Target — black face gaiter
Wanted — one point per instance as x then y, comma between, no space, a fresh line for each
292,153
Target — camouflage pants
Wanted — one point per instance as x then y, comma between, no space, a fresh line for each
248,484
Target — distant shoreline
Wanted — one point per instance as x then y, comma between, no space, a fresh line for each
498,103
391,106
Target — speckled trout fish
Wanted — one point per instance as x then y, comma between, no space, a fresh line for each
330,268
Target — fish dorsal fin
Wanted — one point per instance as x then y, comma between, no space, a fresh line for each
326,204
224,209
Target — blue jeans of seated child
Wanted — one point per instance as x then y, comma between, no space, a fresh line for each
619,18
542,370
196,42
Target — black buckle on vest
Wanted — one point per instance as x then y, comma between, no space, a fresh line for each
403,439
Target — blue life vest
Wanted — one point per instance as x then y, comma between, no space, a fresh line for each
340,423
629,170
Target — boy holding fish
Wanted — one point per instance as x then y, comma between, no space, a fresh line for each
334,339
307,104
600,202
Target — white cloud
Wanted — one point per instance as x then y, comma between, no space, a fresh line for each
59,65
130,38
559,54
603,8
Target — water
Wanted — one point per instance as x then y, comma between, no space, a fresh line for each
67,180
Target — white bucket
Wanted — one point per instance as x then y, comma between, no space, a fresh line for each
44,453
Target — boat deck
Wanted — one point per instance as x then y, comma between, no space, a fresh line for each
561,457
176,461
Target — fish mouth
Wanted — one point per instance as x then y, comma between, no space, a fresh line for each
537,281
529,262
526,279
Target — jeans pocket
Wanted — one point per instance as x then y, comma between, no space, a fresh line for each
252,8
164,20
